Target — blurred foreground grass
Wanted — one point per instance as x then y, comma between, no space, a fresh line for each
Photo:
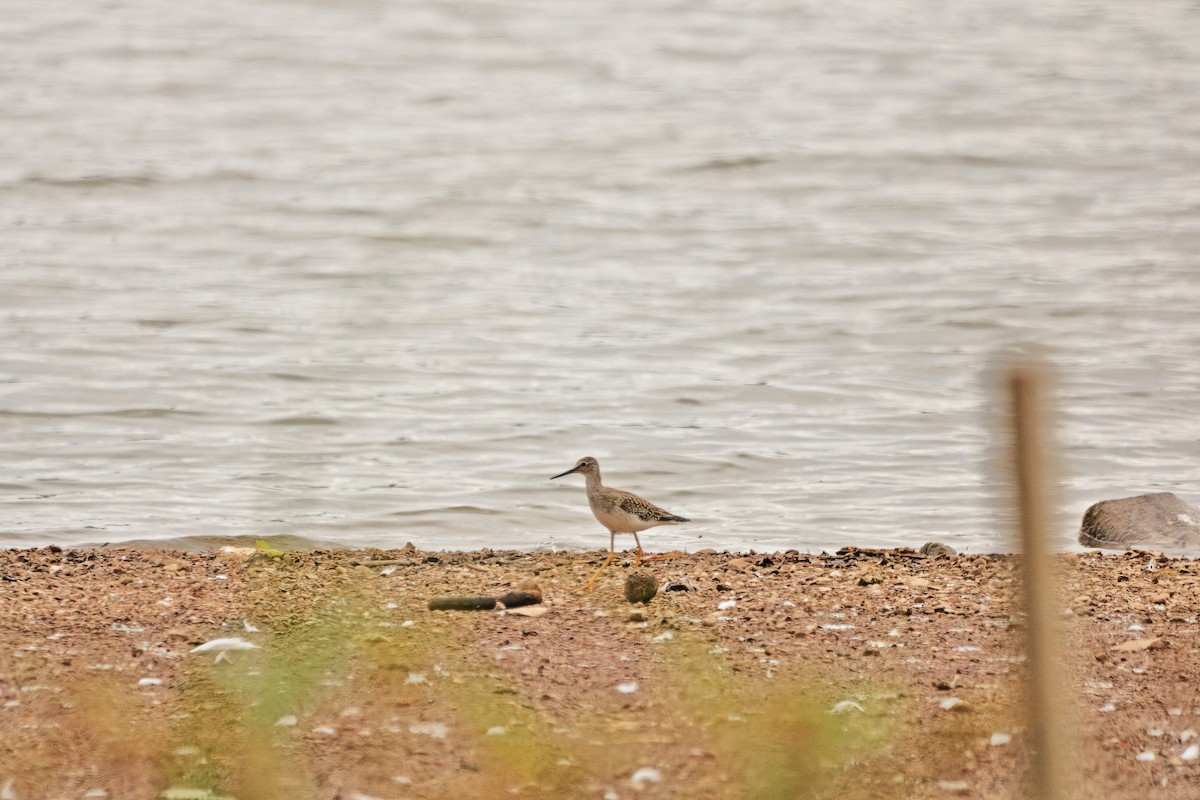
243,727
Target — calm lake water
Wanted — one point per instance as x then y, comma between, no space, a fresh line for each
370,273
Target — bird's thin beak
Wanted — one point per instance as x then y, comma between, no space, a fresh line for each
568,472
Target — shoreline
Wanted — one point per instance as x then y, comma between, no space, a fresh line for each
384,698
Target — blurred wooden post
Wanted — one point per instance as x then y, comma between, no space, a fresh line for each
1051,776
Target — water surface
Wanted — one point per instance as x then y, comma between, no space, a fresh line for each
370,273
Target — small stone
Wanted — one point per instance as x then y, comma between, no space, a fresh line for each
640,588
521,598
870,578
679,585
527,611
937,550
1141,644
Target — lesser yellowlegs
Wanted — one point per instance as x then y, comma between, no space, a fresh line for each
620,512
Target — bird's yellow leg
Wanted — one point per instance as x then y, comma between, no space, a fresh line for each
612,540
607,561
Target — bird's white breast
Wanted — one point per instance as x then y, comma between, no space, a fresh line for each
620,521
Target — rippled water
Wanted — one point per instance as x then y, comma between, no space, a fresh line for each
371,273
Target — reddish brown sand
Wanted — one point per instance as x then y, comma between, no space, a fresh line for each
723,689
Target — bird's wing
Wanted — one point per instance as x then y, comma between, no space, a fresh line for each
644,510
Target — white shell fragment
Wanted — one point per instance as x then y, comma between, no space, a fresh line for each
1190,754
725,605
225,645
1145,755
845,707
150,682
953,703
1000,739
643,776
496,730
286,721
628,687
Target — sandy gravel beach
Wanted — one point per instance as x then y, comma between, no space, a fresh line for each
857,674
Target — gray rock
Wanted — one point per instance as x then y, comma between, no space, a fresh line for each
937,550
1153,520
